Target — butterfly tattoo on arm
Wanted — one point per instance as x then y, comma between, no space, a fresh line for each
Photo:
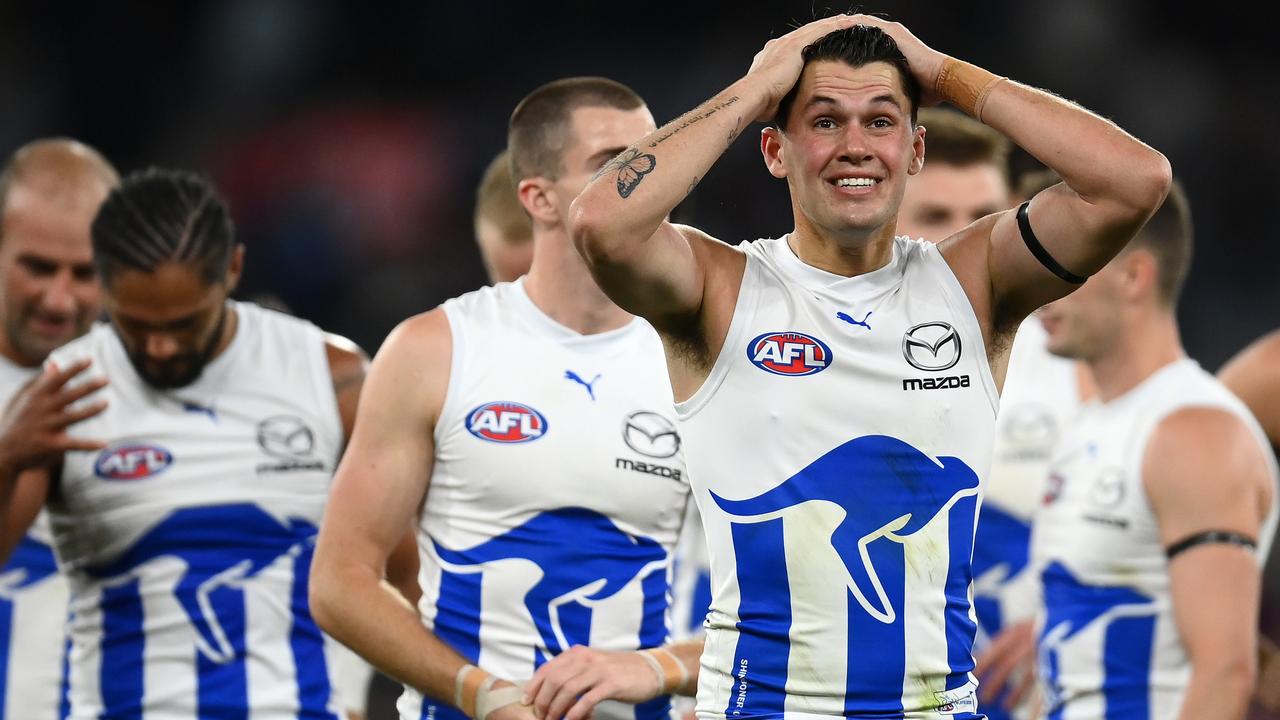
632,166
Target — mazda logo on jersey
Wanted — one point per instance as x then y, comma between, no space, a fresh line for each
286,436
506,422
931,346
649,433
789,353
132,462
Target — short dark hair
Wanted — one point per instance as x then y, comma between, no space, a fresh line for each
539,128
161,216
855,46
958,140
1168,236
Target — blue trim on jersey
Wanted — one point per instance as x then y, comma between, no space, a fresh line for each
878,481
36,562
1128,647
760,660
701,602
123,644
961,629
221,546
64,692
1072,606
653,633
307,643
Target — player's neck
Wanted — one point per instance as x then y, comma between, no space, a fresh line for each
1144,348
561,286
229,327
840,256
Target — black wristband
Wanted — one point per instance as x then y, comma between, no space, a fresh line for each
1033,244
1223,537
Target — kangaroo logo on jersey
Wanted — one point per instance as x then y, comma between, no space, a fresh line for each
583,559
900,491
132,462
506,422
931,346
286,436
789,353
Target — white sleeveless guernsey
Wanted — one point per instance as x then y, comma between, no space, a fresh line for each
836,450
557,494
1109,646
1040,397
33,608
188,540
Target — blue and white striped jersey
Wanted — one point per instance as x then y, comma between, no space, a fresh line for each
33,609
836,450
556,498
189,538
1109,647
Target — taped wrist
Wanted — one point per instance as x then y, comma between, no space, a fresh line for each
965,86
672,674
475,696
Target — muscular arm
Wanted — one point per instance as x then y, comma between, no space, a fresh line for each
1202,471
1254,376
619,222
1111,184
379,486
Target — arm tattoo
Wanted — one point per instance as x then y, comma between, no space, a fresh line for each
690,118
631,167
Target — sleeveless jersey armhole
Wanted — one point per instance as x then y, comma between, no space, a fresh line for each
743,312
449,410
964,309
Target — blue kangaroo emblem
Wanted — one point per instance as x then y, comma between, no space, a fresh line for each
571,375
584,558
849,319
1073,606
31,562
888,489
222,546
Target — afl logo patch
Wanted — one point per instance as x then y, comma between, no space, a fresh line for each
506,422
132,462
789,353
931,346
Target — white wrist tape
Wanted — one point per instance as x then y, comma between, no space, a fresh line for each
475,696
672,674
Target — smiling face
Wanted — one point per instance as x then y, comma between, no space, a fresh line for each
847,148
49,292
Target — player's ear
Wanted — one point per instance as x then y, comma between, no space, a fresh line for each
1141,273
771,147
235,268
917,150
538,198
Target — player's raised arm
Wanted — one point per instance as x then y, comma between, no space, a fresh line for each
377,490
1112,182
619,222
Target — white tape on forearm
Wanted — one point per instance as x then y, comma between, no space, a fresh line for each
657,669
672,674
490,699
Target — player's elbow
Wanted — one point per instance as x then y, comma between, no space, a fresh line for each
1232,672
323,592
1150,179
598,234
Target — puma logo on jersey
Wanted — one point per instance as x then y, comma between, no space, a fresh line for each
506,422
571,375
789,353
132,462
849,319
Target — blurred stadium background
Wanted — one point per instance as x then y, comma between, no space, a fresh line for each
349,137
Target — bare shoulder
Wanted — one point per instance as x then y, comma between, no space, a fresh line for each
1203,449
346,359
1254,376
